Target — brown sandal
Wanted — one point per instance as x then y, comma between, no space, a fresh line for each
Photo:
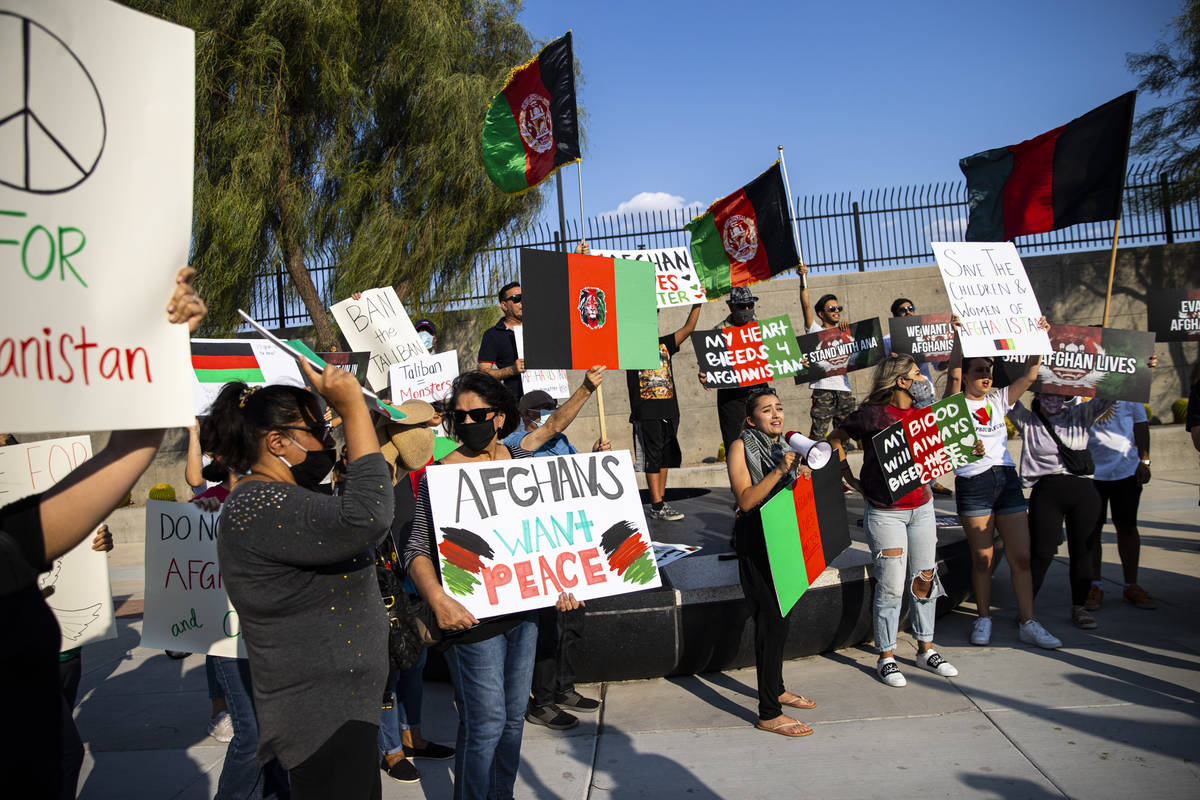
785,727
799,701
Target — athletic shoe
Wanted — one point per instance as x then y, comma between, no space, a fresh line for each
1094,599
889,673
220,727
403,771
981,631
933,662
665,512
945,491
552,717
1139,597
576,702
1082,618
1032,632
432,751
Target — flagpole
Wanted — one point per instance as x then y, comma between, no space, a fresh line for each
787,188
600,411
1112,268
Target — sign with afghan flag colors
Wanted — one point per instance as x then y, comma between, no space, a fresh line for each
1174,314
1074,173
833,351
512,535
532,128
256,362
745,355
581,311
928,338
744,238
806,528
677,282
926,446
1089,362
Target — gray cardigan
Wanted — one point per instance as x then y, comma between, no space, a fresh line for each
1039,453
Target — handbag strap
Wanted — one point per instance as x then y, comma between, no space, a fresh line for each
1062,448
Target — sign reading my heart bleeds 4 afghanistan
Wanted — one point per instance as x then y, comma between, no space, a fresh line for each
926,446
746,355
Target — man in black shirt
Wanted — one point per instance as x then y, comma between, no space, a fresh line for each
731,402
498,348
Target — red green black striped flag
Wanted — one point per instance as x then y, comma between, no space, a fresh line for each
581,311
532,127
744,238
222,362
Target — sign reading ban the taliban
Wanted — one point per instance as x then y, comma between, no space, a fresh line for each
1089,362
745,355
1174,314
926,446
676,282
927,338
513,535
377,322
834,351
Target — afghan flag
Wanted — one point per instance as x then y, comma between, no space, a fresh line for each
222,362
806,528
532,127
1072,174
744,238
586,310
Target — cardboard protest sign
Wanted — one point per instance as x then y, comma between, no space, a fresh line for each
1089,362
425,378
378,323
95,215
1174,314
927,338
927,446
551,381
81,597
186,605
833,351
745,355
256,362
676,282
990,292
806,528
514,534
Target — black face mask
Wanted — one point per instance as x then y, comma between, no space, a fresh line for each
476,436
741,316
312,470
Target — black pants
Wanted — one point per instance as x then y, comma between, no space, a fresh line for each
1056,499
770,628
345,767
68,675
553,666
1123,497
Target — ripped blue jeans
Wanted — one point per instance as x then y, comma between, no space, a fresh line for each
913,532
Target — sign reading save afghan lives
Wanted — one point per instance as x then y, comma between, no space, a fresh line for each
833,351
744,355
676,282
990,292
426,378
377,322
514,534
926,446
1089,362
1174,314
927,338
95,216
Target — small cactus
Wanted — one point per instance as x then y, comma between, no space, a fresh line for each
162,491
1179,409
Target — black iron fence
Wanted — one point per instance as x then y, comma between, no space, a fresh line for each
842,232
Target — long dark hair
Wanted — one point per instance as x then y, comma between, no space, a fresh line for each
492,391
242,415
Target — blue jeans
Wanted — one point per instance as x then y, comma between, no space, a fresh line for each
405,713
491,689
913,532
241,777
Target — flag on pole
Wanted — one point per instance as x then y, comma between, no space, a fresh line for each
1074,173
744,238
532,127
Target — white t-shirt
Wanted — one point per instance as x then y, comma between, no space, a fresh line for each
839,383
988,415
1110,441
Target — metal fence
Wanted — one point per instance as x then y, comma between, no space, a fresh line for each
842,232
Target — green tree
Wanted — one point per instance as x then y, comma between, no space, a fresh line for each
346,130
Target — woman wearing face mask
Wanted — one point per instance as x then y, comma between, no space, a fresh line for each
902,533
298,566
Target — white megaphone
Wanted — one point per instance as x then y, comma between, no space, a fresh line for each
816,454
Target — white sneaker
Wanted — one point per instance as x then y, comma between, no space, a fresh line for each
220,727
931,661
981,631
1032,632
889,673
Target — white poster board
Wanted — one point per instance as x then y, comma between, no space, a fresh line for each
378,323
676,282
425,378
95,215
274,365
513,534
82,597
186,605
551,381
989,290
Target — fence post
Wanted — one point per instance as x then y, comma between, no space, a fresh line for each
279,294
862,267
1165,198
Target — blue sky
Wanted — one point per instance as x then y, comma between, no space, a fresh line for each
686,101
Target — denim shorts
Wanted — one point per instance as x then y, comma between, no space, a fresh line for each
994,491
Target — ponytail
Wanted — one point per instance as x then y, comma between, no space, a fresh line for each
241,415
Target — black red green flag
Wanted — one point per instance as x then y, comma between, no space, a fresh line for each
532,127
222,362
1074,173
744,238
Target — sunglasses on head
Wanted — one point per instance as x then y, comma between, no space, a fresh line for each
831,309
476,414
513,298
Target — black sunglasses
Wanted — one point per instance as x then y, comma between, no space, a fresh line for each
741,306
513,298
476,414
830,309
322,434
909,309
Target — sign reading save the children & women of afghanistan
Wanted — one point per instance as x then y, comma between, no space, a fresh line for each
676,282
744,355
833,351
1174,314
377,322
928,338
95,216
989,290
926,446
512,535
1089,362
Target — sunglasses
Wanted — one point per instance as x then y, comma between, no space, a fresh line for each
513,298
322,434
476,414
909,309
741,306
831,309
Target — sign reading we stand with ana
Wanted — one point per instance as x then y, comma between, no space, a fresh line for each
377,322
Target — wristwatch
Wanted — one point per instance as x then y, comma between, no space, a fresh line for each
1146,461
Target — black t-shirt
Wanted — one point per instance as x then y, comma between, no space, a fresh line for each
1193,412
652,391
499,347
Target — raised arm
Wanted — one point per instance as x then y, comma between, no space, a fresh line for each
565,414
805,303
689,325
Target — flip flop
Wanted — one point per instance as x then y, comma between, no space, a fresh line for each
791,728
801,702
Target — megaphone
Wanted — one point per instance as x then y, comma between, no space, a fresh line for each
816,454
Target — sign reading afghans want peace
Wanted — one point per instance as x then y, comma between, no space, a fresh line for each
378,323
1174,314
1089,362
745,355
833,351
676,282
512,535
95,215
926,446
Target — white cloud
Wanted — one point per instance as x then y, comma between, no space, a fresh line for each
650,201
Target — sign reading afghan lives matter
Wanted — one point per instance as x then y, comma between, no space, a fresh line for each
186,605
80,595
927,338
990,292
1089,362
95,215
1174,314
744,355
676,282
512,535
378,322
833,351
927,446
551,381
427,378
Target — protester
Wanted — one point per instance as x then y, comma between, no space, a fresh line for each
498,347
654,413
731,402
832,400
759,466
297,566
546,437
1192,421
902,533
427,332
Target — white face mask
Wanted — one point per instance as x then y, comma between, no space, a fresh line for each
545,415
426,339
